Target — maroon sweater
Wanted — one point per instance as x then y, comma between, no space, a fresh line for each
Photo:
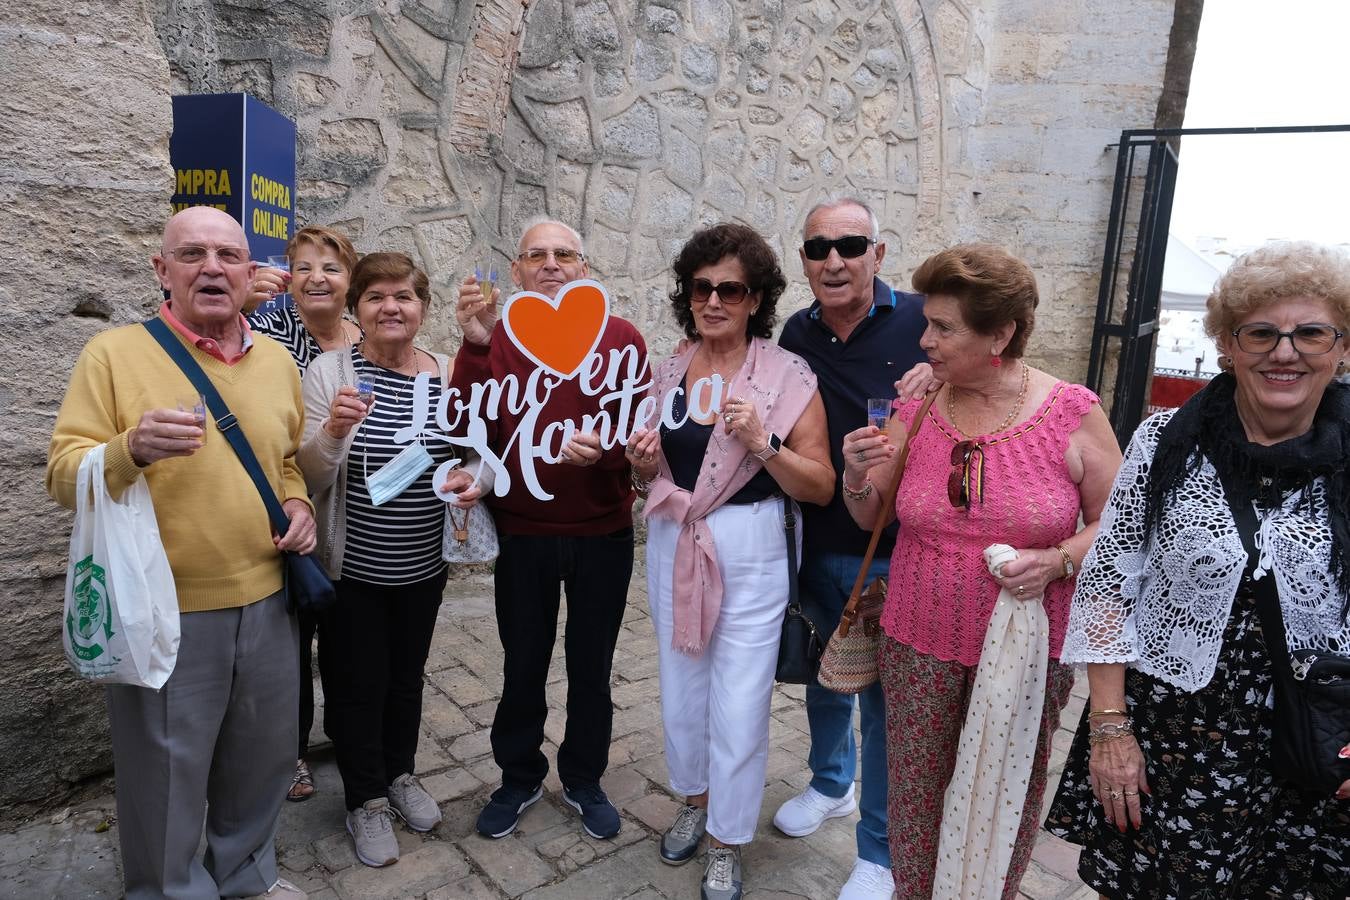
589,500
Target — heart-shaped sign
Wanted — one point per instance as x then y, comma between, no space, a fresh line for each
558,333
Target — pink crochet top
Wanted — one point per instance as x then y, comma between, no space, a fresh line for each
941,594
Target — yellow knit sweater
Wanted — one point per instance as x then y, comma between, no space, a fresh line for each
211,519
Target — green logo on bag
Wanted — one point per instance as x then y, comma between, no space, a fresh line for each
90,624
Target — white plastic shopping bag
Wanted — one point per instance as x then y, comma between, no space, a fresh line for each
121,610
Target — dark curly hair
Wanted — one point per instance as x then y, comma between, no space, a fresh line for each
762,274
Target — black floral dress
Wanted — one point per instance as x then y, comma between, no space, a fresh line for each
1217,826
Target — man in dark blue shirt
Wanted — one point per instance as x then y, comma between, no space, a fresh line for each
859,336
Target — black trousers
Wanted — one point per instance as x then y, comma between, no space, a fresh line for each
309,629
531,570
375,644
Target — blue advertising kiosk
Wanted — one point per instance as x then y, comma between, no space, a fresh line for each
236,153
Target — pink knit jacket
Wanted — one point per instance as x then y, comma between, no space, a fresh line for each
941,595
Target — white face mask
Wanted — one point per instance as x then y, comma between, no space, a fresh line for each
393,478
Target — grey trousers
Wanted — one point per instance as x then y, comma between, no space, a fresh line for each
214,746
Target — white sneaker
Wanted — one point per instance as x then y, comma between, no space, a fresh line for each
803,814
868,881
372,831
413,803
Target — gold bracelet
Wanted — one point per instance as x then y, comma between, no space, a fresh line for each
861,493
640,484
1108,712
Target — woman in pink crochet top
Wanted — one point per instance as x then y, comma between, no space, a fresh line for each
1007,454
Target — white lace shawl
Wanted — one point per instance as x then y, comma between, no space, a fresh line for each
1163,608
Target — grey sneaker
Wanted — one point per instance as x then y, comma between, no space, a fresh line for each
372,829
413,803
722,877
681,840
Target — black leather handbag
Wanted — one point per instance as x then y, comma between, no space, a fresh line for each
800,644
1312,688
306,583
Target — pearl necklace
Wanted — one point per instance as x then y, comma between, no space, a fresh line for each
1012,414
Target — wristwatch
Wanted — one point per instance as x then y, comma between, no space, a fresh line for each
1069,568
771,448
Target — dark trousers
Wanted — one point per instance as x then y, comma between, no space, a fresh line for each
375,644
308,623
594,571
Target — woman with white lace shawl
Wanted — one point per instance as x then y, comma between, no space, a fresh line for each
1169,785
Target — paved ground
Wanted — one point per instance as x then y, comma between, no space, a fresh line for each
74,854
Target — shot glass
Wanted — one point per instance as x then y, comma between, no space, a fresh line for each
195,404
282,264
486,274
878,411
365,390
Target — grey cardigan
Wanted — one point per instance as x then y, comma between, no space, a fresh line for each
323,458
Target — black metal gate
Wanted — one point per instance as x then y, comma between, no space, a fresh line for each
1125,330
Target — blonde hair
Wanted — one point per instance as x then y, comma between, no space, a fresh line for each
320,236
1276,272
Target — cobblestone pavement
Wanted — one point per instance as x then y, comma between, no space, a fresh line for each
549,856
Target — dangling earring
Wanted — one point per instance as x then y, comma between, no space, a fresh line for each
1340,366
995,359
1225,363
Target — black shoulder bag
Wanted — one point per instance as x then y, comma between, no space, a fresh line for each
1312,689
306,584
800,646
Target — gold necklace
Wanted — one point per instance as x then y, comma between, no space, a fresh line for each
397,367
1012,414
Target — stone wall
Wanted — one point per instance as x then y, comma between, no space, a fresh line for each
438,127
84,120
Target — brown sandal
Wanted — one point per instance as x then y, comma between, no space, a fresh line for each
302,785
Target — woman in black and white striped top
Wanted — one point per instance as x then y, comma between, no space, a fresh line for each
380,539
321,261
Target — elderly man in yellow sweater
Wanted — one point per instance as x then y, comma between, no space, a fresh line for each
215,746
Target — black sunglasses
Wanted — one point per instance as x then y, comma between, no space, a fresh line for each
729,292
849,246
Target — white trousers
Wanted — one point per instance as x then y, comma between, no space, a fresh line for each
715,706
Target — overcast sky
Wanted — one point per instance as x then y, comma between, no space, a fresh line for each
1263,63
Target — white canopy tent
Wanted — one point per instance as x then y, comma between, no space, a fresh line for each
1187,277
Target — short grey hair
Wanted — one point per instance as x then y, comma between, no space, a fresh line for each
545,220
837,200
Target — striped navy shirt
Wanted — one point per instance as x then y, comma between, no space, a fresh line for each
399,542
285,326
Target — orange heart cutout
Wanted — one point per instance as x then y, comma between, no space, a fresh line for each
558,333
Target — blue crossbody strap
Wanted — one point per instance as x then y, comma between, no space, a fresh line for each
225,420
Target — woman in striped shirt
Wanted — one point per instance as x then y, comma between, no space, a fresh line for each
321,262
381,521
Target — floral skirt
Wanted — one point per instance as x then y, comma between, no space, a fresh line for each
1217,825
926,702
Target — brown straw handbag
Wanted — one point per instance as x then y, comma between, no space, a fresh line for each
849,664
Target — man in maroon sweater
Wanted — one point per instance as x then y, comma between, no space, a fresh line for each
581,541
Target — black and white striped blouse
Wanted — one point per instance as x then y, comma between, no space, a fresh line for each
400,541
285,326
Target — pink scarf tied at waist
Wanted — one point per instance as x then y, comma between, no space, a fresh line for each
780,385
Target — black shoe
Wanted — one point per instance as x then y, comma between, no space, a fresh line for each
500,817
598,815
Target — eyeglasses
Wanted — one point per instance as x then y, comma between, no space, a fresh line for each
729,292
850,246
195,255
967,474
563,256
1312,339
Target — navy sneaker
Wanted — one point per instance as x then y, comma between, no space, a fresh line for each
598,815
500,817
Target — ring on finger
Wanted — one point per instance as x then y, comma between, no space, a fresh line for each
862,457
1131,793
1117,795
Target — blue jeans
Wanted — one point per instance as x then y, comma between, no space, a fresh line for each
825,582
